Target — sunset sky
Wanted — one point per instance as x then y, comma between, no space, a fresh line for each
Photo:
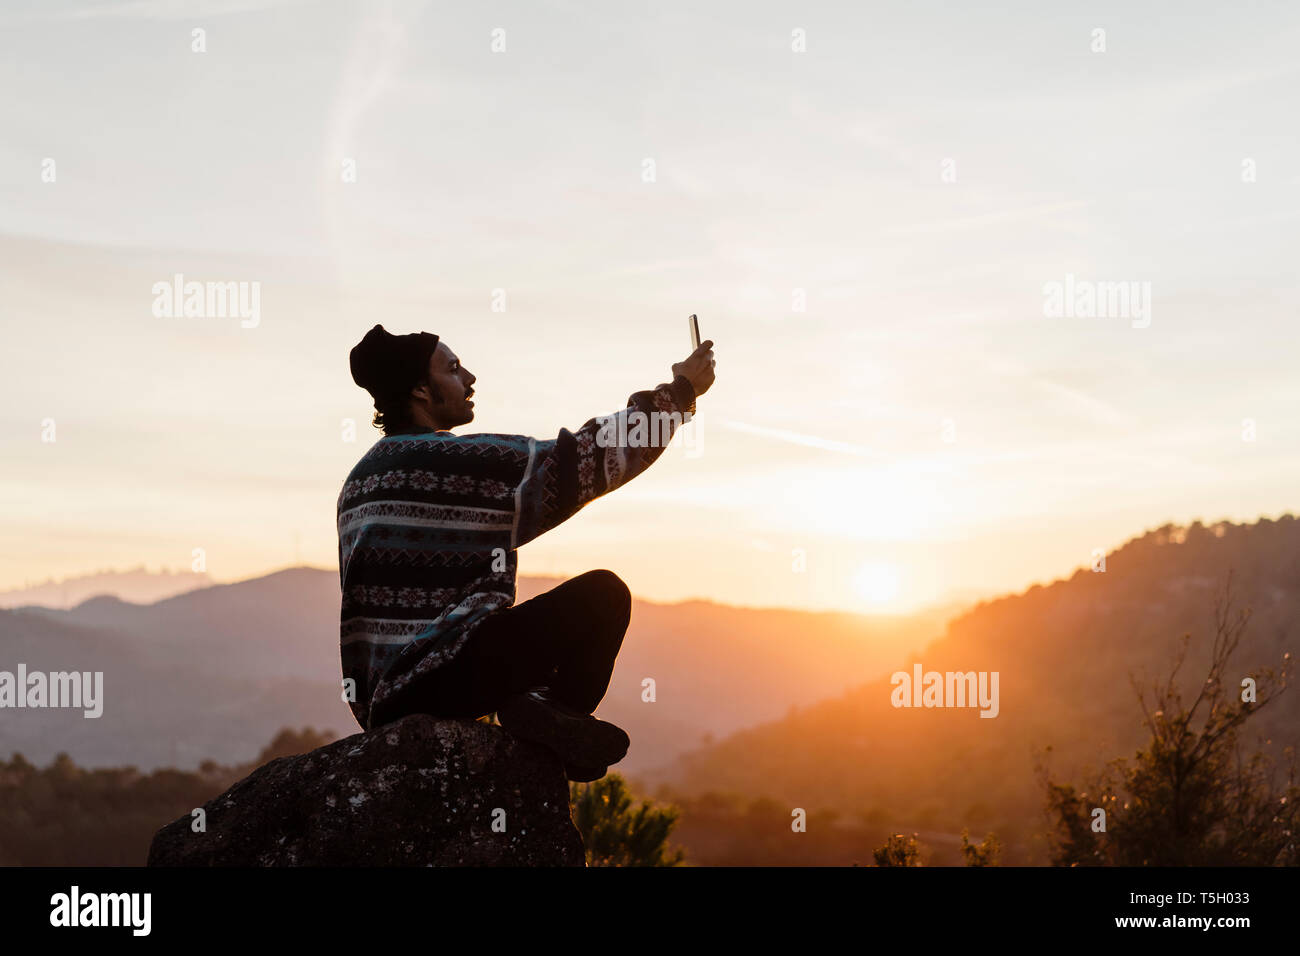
921,431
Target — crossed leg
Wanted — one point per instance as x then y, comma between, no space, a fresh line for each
566,639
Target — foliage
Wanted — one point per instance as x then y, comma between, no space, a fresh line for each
66,815
1189,797
899,850
615,832
984,853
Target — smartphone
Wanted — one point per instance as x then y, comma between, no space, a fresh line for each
695,333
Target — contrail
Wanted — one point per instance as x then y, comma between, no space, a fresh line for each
796,438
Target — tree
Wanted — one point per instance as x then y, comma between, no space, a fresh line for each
899,850
984,853
1189,797
1072,840
617,834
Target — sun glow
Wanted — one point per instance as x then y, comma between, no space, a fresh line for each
876,583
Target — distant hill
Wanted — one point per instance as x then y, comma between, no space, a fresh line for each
159,710
214,673
136,585
1064,653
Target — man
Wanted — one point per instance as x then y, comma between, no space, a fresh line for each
429,523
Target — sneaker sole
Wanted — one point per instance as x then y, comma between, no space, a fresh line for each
586,742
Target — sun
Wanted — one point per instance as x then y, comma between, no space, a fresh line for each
876,583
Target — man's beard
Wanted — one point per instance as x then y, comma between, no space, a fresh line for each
462,414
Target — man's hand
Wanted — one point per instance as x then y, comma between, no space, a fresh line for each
698,367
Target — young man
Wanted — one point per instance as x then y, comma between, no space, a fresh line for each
429,523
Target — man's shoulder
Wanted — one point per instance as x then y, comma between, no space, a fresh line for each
419,462
407,450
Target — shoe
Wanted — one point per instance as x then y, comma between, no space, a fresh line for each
580,740
580,774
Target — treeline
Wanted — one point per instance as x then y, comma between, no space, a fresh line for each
66,815
728,829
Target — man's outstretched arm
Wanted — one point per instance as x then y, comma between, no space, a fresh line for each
577,467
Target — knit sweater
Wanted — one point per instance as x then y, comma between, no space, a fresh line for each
429,525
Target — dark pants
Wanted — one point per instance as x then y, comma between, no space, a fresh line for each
565,639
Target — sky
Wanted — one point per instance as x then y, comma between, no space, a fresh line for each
866,205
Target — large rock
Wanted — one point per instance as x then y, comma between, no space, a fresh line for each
417,792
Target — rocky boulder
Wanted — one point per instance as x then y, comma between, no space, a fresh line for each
417,792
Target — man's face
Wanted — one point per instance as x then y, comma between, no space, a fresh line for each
449,402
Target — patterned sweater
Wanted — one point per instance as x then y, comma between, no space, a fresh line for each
429,525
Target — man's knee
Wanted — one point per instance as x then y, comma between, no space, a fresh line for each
612,593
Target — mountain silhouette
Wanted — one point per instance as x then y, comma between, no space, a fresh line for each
137,585
215,672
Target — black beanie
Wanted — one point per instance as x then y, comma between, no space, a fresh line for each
388,366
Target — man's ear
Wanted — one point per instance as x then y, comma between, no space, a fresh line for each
425,392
